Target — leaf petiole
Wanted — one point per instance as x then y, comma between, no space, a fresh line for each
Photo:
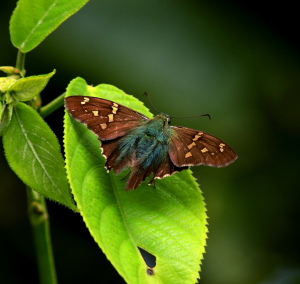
52,106
21,63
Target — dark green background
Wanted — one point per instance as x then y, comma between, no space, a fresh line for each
239,62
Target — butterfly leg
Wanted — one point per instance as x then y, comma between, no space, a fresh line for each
152,182
126,176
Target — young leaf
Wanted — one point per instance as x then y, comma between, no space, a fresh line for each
168,220
33,20
9,70
27,88
33,152
5,83
5,116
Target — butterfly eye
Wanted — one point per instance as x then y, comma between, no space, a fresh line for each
169,120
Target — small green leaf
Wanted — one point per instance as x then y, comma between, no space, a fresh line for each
33,20
9,70
33,152
5,116
27,88
6,82
168,221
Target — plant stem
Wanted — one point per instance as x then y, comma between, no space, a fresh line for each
21,63
39,220
52,106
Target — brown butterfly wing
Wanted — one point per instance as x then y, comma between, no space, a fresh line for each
190,147
166,168
111,151
108,120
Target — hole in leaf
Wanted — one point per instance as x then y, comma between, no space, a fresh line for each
149,259
150,271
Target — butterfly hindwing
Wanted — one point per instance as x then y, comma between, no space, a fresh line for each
112,152
167,169
107,119
190,147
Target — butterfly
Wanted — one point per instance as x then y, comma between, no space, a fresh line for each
146,146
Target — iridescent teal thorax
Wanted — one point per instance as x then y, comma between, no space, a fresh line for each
148,144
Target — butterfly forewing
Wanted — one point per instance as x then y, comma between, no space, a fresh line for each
109,120
190,147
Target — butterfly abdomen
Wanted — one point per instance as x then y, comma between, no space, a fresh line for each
150,154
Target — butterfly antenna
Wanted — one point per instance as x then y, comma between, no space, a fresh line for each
192,116
148,97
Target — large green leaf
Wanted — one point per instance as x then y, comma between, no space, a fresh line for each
33,152
33,20
168,221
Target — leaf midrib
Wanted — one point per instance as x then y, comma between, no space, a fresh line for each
31,146
39,23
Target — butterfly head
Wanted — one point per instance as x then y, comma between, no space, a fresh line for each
164,117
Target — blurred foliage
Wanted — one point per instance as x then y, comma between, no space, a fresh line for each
233,61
